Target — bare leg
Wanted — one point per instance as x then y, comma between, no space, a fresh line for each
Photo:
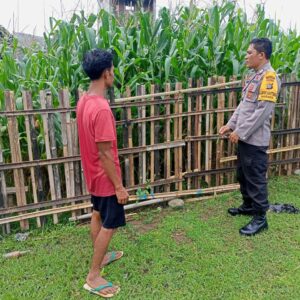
100,247
96,225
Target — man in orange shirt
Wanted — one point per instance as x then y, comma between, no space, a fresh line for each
101,166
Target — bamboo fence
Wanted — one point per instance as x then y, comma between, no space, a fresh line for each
168,145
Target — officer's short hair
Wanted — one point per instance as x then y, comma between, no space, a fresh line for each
262,45
95,62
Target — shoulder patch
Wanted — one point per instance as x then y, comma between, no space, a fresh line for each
269,87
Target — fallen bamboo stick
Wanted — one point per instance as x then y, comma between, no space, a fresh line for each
158,198
167,198
271,151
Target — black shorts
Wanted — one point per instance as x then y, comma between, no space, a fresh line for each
111,212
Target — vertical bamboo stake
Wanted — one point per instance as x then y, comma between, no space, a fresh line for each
293,120
68,137
30,152
198,132
232,103
142,138
189,133
16,157
130,142
77,168
290,137
280,142
45,118
176,150
36,153
297,112
53,148
152,136
83,184
157,134
208,128
65,143
220,123
125,145
179,135
167,137
3,191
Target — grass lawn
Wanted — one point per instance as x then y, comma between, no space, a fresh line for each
193,253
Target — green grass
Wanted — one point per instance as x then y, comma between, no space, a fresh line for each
193,253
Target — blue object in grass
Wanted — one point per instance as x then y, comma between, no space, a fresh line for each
199,192
152,194
143,196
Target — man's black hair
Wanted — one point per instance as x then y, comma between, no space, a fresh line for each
95,62
262,45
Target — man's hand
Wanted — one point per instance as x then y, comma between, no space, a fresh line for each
224,130
234,138
122,195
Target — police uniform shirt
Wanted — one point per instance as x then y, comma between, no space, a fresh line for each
251,119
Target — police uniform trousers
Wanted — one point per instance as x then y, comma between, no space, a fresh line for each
252,165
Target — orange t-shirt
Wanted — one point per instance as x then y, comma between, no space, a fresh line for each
96,123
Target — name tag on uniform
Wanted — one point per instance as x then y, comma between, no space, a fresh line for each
269,88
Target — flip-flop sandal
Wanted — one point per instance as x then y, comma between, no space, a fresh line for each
113,257
97,290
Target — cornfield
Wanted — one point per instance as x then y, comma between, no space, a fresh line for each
190,43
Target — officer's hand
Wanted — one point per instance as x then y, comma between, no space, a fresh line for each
224,130
234,138
122,195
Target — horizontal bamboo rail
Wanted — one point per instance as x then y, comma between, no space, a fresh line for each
270,151
179,91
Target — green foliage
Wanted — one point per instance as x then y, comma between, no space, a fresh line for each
143,194
190,43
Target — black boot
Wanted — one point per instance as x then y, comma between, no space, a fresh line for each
242,210
256,225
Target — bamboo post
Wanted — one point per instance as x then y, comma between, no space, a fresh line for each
125,145
34,125
180,169
13,133
208,129
189,133
167,138
82,179
297,111
142,138
176,126
290,137
76,151
152,136
64,136
53,148
45,118
281,139
3,191
293,121
66,104
220,123
28,123
197,149
157,166
232,103
130,141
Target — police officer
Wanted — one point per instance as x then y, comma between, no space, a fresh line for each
249,128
